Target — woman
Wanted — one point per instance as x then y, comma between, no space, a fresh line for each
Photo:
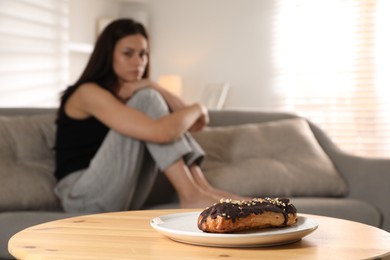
115,127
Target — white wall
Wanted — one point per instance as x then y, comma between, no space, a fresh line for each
215,40
83,22
202,40
83,16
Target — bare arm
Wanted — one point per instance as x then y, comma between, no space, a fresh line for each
91,100
174,102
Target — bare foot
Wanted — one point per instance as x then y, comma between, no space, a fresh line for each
200,200
201,180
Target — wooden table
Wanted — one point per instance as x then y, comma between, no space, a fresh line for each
128,235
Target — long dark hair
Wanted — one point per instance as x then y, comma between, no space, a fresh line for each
99,67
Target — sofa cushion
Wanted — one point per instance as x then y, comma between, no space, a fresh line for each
27,162
278,158
345,208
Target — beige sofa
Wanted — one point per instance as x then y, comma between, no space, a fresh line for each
250,153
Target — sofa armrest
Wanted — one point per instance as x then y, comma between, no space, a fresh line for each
368,179
25,111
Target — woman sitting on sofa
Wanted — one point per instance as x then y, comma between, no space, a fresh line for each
116,129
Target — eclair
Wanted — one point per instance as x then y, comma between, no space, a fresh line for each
230,216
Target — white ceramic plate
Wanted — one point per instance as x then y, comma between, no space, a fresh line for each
182,227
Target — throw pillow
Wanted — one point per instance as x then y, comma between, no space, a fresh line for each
278,158
26,163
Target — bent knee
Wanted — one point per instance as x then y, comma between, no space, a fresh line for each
149,101
146,95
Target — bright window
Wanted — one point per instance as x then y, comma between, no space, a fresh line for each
331,61
33,52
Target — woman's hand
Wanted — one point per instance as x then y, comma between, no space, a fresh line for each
202,121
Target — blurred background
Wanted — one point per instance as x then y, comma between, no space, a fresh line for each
326,60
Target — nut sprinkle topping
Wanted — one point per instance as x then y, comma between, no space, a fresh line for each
234,209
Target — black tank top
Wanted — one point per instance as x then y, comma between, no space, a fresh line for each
77,142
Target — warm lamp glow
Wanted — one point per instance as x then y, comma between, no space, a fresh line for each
172,83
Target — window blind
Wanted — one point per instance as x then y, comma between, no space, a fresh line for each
331,61
33,52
